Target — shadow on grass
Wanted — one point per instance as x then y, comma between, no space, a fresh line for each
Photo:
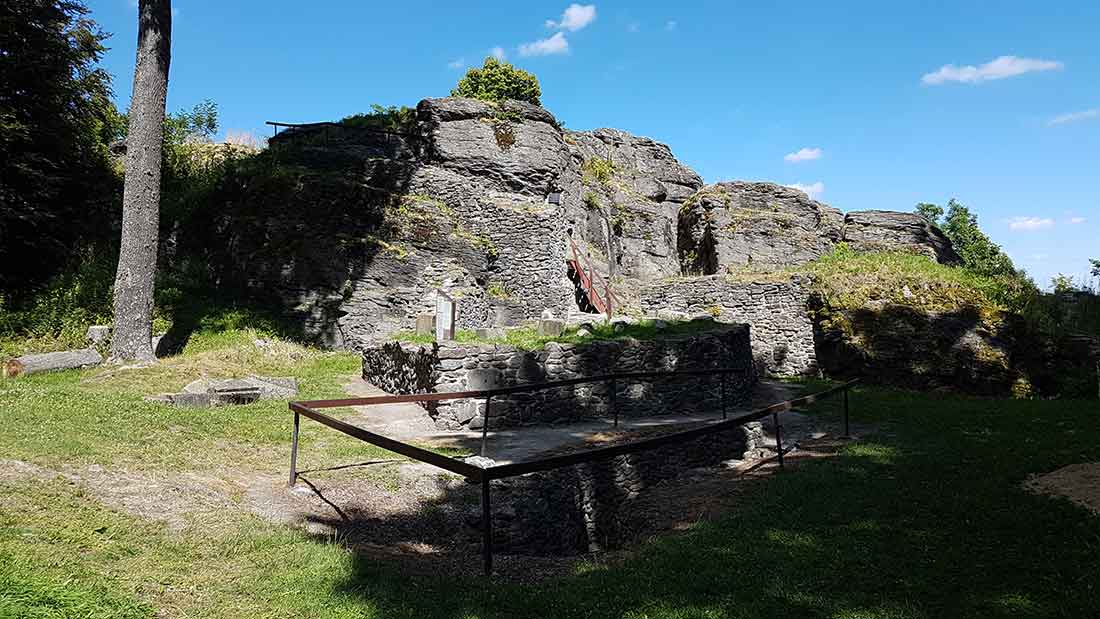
928,521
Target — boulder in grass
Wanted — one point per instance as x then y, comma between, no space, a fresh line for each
98,333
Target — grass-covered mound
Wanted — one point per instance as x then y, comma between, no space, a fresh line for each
908,320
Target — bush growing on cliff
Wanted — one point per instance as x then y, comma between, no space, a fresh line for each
497,81
396,119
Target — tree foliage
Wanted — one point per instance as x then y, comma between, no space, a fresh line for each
496,81
930,212
1095,264
58,185
1062,283
979,253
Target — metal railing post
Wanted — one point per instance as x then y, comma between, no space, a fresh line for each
847,428
614,401
294,450
486,527
778,438
723,377
485,424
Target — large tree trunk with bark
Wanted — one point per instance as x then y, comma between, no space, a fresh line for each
137,260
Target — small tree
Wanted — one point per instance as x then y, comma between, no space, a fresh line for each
1062,283
979,253
497,80
1095,267
930,212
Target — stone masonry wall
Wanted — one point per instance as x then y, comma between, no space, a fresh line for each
777,313
415,368
594,506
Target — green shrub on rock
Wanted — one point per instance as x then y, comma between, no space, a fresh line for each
497,81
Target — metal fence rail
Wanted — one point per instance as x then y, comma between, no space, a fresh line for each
485,475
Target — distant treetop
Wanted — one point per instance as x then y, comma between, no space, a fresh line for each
496,81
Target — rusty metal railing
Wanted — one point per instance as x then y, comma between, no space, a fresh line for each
589,277
485,475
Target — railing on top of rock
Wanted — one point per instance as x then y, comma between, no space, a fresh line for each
327,124
591,282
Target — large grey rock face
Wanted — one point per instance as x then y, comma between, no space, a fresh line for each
891,230
750,223
478,140
632,188
362,228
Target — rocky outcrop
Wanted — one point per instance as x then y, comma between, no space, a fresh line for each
513,147
891,230
631,189
760,224
360,228
354,230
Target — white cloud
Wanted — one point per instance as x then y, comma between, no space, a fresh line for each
575,17
497,52
670,25
813,189
1074,117
556,44
457,63
804,154
998,68
1029,224
1077,220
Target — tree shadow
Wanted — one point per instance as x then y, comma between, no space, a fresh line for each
902,346
866,534
292,228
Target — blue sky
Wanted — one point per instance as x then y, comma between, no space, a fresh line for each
890,104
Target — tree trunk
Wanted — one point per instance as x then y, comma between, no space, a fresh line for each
137,260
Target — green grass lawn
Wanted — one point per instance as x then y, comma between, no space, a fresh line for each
924,518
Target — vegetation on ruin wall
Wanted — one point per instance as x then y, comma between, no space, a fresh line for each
1026,332
527,338
393,119
849,280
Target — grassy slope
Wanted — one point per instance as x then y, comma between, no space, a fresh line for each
925,519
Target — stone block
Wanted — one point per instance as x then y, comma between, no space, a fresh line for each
425,324
549,327
98,333
483,379
490,333
194,400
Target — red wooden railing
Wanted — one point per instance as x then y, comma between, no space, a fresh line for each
592,282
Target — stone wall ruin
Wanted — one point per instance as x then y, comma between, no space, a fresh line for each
403,368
